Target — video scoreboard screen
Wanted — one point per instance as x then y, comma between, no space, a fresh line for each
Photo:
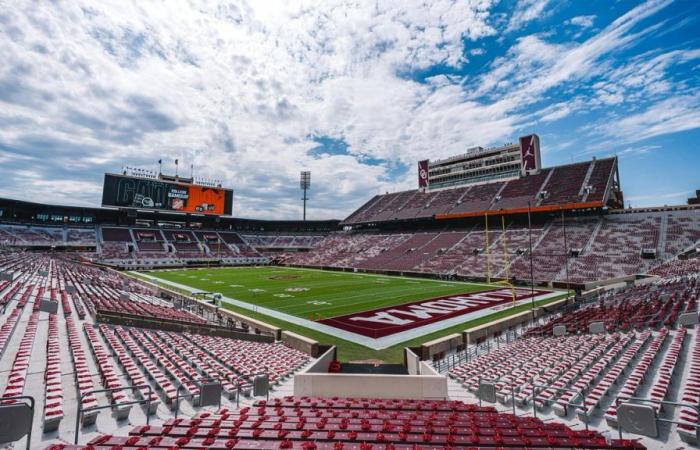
144,193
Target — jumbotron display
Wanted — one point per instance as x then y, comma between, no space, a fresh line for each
146,193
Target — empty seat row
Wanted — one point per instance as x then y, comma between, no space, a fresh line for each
357,424
53,395
17,377
83,375
110,378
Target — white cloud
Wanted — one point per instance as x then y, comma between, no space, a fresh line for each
240,89
664,117
646,77
527,11
236,88
638,150
582,21
560,110
668,198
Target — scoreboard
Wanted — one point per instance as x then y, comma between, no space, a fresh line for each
126,191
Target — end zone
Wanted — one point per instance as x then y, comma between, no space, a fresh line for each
391,320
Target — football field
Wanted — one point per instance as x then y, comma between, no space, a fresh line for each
373,311
303,292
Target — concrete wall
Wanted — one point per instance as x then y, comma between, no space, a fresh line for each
623,280
443,344
427,369
371,386
301,343
323,362
130,320
412,362
253,323
471,335
314,382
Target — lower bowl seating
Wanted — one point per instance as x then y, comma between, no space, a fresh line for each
355,424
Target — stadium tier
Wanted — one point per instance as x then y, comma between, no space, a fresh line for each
641,352
580,185
61,358
43,236
579,249
133,247
336,424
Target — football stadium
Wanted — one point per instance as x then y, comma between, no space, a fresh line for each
475,290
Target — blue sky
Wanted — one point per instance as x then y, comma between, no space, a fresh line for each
357,92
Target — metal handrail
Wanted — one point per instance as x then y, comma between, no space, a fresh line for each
82,411
512,391
190,395
579,393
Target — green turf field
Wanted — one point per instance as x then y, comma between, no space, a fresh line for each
302,292
307,293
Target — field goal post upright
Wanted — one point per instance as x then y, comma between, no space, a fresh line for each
488,252
504,237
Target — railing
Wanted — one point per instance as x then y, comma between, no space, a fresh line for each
190,395
81,411
452,360
512,391
540,387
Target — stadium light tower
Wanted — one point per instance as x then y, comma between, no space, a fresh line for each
305,184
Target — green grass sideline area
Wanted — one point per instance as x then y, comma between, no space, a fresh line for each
310,293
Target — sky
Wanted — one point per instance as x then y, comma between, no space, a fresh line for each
253,92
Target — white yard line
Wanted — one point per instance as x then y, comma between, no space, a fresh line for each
391,277
375,344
